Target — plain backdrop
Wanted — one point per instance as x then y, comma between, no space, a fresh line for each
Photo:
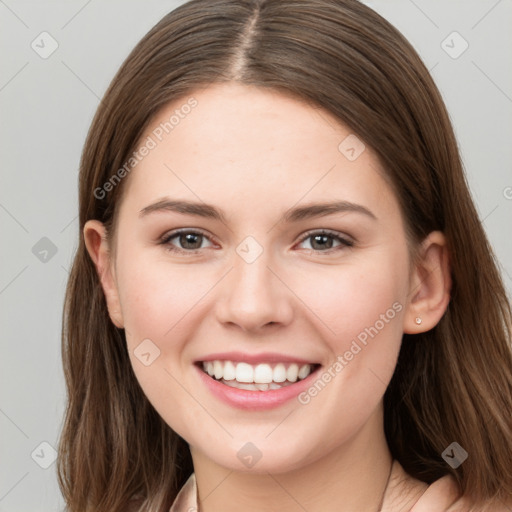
47,102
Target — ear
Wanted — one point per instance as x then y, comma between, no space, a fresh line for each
430,285
98,249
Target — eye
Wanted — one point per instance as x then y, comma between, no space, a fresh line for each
190,241
324,241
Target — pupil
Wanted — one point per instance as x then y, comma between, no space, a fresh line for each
324,240
190,239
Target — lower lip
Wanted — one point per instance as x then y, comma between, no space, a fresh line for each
255,400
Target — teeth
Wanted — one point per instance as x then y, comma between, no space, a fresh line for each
263,374
304,371
279,373
218,369
244,373
229,371
254,387
292,373
258,377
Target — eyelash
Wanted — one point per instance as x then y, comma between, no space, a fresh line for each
344,242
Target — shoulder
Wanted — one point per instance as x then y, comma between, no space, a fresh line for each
406,494
186,500
443,495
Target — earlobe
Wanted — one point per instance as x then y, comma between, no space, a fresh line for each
430,285
98,248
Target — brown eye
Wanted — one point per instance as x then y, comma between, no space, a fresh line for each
185,241
321,241
324,241
190,240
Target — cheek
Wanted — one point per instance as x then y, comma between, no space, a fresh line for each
156,297
160,303
359,314
351,300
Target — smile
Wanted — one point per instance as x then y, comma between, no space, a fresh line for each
258,377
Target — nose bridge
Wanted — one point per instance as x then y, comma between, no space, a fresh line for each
253,296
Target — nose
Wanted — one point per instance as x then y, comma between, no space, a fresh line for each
254,296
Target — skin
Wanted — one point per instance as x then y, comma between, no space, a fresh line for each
255,154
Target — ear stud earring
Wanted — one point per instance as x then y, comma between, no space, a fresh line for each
418,320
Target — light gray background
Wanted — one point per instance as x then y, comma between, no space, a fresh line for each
46,106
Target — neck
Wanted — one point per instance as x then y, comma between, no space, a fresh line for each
351,477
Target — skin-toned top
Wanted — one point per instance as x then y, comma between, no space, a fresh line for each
403,494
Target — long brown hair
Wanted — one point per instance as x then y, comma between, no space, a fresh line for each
453,383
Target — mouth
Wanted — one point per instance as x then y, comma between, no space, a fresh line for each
257,377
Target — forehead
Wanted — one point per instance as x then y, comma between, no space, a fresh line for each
247,147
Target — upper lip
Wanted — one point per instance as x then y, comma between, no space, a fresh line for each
263,357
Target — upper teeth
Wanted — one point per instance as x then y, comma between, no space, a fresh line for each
258,374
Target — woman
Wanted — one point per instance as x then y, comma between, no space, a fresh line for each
283,298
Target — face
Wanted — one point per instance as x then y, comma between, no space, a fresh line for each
256,242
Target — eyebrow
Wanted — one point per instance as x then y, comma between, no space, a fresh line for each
307,211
